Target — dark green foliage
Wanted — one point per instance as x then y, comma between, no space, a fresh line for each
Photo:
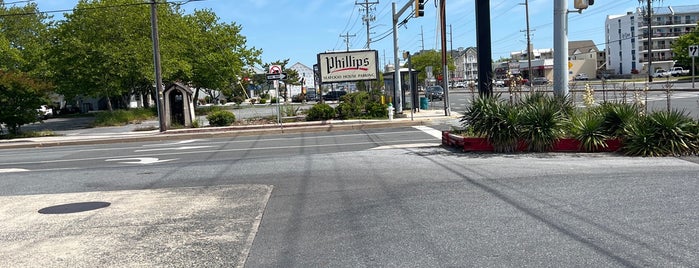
494,119
542,122
205,110
320,111
661,133
20,96
123,117
238,99
587,128
221,118
617,116
361,105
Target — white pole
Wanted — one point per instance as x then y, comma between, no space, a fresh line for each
560,48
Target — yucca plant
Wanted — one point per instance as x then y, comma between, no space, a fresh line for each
616,116
495,120
661,133
542,122
587,128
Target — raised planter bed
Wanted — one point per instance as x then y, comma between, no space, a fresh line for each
473,144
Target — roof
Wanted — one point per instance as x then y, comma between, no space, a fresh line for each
299,65
583,46
668,10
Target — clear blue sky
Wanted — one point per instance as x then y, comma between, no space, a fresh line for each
299,29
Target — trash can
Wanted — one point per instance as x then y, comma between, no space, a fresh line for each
424,103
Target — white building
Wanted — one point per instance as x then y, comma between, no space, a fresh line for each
627,37
305,76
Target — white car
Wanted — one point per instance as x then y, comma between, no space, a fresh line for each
45,111
661,73
582,76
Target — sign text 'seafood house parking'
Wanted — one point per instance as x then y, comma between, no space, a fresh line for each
348,66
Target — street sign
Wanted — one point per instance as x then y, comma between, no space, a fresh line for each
694,51
278,76
275,69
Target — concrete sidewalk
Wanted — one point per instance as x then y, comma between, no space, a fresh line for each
144,132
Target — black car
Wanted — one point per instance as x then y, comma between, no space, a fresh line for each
334,95
434,92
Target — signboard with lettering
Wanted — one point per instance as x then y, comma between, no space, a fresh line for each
348,66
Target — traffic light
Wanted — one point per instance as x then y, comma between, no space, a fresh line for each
583,4
419,8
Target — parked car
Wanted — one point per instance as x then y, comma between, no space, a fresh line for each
311,95
678,71
45,111
582,76
661,73
434,92
538,81
499,83
460,85
334,95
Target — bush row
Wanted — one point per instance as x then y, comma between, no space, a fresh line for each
358,105
539,120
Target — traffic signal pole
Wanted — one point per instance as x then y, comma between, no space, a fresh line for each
560,48
397,93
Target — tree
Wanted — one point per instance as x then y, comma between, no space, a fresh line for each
217,54
24,37
432,58
20,96
680,46
93,58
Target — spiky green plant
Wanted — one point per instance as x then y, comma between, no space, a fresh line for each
662,133
494,119
542,122
586,127
617,116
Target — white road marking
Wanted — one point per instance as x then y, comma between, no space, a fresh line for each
141,161
406,146
12,170
173,149
433,132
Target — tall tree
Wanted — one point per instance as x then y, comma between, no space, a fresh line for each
218,54
432,58
24,36
681,45
292,76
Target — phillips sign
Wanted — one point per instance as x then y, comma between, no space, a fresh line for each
348,66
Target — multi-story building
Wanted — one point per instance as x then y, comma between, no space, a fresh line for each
627,37
466,62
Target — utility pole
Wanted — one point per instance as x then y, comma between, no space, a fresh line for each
156,62
422,39
347,38
529,42
367,18
650,40
445,65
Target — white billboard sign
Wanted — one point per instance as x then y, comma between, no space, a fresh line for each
348,66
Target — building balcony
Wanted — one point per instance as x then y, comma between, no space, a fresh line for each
685,23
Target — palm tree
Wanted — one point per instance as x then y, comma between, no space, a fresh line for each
649,13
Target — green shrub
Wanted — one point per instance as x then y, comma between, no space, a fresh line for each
377,110
238,99
542,122
320,111
205,110
123,117
587,128
617,116
221,118
361,105
263,101
494,119
661,133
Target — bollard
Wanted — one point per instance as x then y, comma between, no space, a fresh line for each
390,111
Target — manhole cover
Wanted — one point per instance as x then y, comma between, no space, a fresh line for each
74,207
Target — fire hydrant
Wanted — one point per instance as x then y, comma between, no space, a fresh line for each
390,111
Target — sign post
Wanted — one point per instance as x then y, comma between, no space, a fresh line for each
275,74
693,52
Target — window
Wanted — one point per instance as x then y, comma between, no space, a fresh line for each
633,55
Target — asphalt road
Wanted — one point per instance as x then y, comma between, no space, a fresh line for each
374,198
